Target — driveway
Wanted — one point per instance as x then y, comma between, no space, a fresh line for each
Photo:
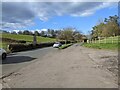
68,68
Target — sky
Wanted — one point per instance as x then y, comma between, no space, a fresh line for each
55,15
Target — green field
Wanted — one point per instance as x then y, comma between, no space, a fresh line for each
27,38
110,43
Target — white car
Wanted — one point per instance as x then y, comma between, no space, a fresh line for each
57,44
3,54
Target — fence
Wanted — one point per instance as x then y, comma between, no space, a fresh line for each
105,40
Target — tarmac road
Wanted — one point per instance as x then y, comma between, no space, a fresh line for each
18,60
68,68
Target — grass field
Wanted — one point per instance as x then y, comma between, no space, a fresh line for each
27,38
110,43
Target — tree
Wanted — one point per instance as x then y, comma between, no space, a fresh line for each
112,26
77,36
13,32
66,34
57,32
26,32
20,32
36,33
51,33
3,31
109,27
42,33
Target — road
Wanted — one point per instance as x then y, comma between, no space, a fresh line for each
68,68
16,61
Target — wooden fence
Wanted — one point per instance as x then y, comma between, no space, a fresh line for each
105,40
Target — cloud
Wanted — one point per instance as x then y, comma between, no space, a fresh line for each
61,1
17,15
44,29
39,30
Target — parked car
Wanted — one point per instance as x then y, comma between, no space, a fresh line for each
57,44
3,54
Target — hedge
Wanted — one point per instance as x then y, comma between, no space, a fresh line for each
23,47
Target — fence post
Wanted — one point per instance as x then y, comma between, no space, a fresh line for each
112,40
92,41
105,40
99,39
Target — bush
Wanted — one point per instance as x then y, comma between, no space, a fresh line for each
21,41
23,47
67,42
41,45
19,47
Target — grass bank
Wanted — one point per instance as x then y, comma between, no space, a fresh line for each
109,46
27,38
65,46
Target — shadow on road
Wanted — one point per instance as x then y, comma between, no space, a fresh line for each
17,59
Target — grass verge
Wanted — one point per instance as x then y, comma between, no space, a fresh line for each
65,46
109,46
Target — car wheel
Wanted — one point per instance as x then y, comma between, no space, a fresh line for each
4,56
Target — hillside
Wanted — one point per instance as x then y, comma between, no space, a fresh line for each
27,38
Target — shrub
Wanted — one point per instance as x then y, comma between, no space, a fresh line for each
23,47
19,47
21,41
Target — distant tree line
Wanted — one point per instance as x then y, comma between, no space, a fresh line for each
68,34
108,27
50,33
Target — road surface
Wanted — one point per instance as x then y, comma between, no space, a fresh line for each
68,68
16,61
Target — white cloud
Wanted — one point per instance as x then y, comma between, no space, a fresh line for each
61,1
44,29
21,14
16,31
38,30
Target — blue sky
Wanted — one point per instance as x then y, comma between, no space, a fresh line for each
39,16
83,24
